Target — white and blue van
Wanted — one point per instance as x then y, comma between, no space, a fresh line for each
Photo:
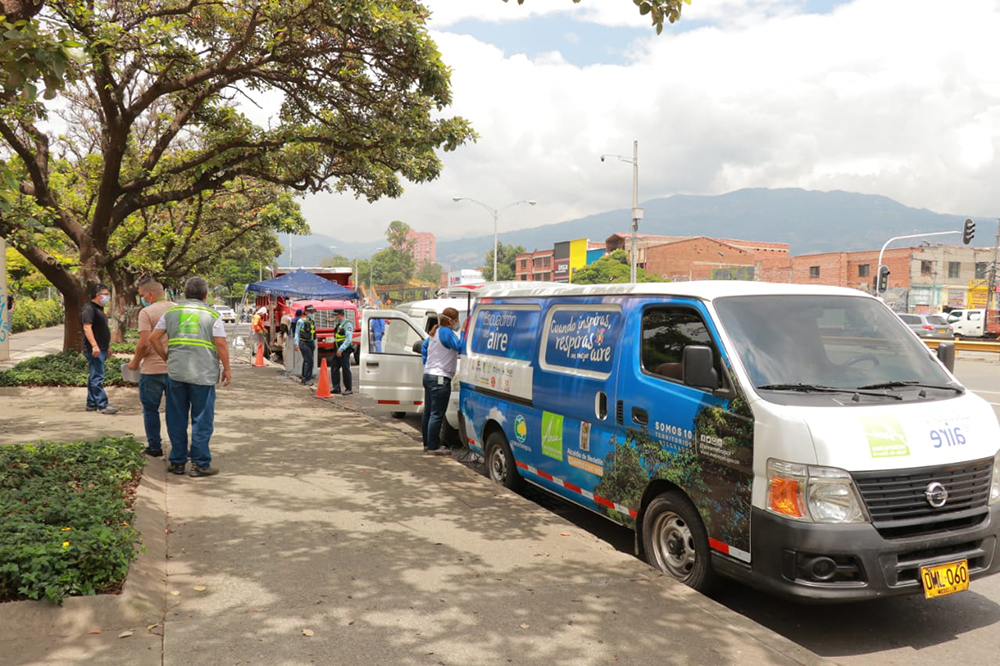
799,438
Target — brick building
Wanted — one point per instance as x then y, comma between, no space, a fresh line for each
703,258
534,266
424,247
923,279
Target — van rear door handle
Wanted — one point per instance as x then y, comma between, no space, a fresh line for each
640,416
371,364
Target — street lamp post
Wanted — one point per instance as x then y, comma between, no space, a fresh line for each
637,212
495,212
878,269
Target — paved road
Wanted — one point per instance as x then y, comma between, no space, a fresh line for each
34,343
962,628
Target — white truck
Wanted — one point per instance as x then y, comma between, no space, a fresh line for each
974,323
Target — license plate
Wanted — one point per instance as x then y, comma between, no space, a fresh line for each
945,579
942,330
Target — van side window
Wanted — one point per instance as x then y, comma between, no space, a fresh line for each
395,337
665,334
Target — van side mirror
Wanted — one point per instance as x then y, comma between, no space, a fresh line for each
698,368
946,354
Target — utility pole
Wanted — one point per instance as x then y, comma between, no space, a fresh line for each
637,212
5,316
991,300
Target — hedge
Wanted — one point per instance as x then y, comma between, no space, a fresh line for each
68,368
67,519
29,314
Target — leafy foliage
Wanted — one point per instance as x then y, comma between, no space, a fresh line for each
30,314
506,262
429,272
612,267
68,368
657,10
67,527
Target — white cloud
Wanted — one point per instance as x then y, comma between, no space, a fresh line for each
496,415
880,96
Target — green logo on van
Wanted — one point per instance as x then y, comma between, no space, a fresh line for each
886,438
552,435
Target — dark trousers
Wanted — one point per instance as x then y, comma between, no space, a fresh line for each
151,390
306,349
436,397
197,403
342,365
96,397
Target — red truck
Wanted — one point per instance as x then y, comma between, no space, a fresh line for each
278,307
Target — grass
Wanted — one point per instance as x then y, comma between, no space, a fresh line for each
68,368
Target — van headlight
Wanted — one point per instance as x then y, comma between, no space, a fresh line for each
811,493
995,485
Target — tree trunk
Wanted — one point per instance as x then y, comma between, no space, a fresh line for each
73,300
124,311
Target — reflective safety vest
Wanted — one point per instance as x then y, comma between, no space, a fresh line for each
307,330
191,355
340,334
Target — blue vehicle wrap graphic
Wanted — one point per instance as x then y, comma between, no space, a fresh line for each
582,340
700,441
505,332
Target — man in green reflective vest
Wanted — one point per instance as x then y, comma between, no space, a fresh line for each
192,339
342,333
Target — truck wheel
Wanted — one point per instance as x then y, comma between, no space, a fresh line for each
500,465
676,543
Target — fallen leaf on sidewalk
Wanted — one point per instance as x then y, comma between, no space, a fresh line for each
525,626
175,593
94,632
307,632
125,634
200,588
564,534
151,627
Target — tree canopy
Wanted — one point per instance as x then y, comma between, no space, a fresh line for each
612,267
158,121
506,260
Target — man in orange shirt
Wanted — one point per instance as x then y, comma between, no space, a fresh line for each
152,368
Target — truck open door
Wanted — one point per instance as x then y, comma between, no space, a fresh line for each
391,372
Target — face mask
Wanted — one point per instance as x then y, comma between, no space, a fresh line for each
144,302
104,299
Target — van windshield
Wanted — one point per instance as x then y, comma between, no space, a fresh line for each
838,342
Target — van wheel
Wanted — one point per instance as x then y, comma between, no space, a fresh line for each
500,465
398,415
675,541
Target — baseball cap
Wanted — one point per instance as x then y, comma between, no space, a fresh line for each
310,308
298,312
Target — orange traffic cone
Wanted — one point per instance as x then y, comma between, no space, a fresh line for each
323,389
258,362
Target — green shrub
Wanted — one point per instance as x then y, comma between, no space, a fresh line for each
29,314
68,368
67,526
123,347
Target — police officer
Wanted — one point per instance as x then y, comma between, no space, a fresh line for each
192,339
306,342
342,343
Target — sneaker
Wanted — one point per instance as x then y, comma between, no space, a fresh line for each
197,470
177,468
108,410
91,409
443,451
348,392
155,453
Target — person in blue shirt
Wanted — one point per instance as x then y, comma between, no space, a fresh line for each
343,333
440,353
378,332
305,342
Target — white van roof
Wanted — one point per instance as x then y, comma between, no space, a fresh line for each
702,289
433,305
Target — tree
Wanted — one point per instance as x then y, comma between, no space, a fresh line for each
612,267
658,10
154,121
336,260
398,236
505,262
430,272
390,266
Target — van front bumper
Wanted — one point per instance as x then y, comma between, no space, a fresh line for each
784,555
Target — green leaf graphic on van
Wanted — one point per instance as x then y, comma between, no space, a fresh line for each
552,435
886,438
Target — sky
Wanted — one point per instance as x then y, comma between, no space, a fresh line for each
892,97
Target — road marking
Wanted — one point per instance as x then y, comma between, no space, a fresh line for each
985,391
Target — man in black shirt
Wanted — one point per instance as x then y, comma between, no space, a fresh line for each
96,342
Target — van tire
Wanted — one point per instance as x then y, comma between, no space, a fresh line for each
500,465
675,541
398,415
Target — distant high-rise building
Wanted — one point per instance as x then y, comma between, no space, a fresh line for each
424,247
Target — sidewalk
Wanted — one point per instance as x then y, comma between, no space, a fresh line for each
327,522
29,344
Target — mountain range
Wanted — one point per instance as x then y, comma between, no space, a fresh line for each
808,220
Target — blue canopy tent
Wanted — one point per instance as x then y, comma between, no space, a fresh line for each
305,285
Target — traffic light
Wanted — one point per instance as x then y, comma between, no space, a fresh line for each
969,232
883,279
